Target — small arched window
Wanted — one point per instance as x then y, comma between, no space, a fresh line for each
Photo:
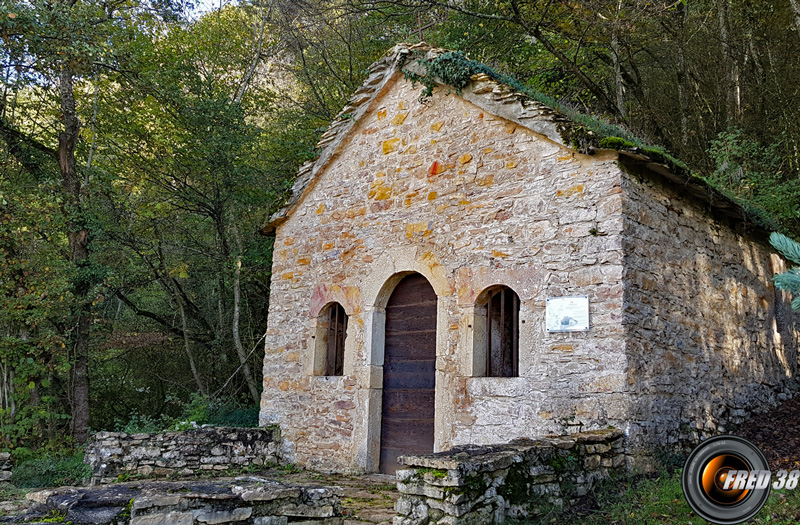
497,333
330,338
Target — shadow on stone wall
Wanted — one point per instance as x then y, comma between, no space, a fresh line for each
709,341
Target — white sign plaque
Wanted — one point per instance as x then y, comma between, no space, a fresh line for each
567,314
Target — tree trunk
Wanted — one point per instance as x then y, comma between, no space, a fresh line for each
78,238
732,84
683,101
187,347
620,88
251,383
796,8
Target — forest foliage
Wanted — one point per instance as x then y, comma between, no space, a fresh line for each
146,142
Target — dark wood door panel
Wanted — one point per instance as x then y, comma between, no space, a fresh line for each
410,436
409,372
408,404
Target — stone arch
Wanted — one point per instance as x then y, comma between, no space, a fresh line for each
330,338
395,264
386,272
490,303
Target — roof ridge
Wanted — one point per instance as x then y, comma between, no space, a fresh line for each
489,92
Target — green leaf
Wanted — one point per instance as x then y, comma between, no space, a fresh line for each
45,383
788,280
786,246
796,304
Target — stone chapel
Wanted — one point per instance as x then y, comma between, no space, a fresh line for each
420,255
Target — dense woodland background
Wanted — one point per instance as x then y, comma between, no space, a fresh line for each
145,143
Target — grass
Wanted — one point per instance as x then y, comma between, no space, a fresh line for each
51,470
660,500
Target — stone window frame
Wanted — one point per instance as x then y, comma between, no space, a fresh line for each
322,348
478,324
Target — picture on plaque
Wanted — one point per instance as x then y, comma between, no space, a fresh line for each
567,314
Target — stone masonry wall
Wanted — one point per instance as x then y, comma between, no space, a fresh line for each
709,338
487,484
469,200
5,466
111,454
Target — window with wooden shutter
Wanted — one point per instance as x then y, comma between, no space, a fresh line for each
336,334
497,329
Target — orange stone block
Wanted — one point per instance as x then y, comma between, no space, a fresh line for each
381,114
432,196
466,157
486,181
287,275
572,190
436,168
304,261
498,253
417,228
390,145
437,126
320,209
399,119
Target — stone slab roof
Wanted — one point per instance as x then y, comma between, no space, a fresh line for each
498,99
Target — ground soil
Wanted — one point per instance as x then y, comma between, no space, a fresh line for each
777,434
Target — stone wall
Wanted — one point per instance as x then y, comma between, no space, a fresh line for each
469,200
524,479
5,466
115,454
243,501
709,338
473,191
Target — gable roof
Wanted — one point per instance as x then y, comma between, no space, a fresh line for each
501,99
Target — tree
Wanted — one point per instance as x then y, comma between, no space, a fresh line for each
790,279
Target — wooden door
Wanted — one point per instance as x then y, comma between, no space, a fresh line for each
408,372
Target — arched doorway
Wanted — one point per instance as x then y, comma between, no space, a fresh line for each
409,370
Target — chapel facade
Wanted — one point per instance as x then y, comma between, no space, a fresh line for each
418,256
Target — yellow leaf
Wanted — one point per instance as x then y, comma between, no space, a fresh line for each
12,15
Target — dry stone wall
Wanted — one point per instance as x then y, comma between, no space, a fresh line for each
709,338
524,479
114,454
5,466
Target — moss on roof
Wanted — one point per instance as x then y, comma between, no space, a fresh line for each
584,133
589,132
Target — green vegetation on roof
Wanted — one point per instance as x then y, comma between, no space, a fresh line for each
586,132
